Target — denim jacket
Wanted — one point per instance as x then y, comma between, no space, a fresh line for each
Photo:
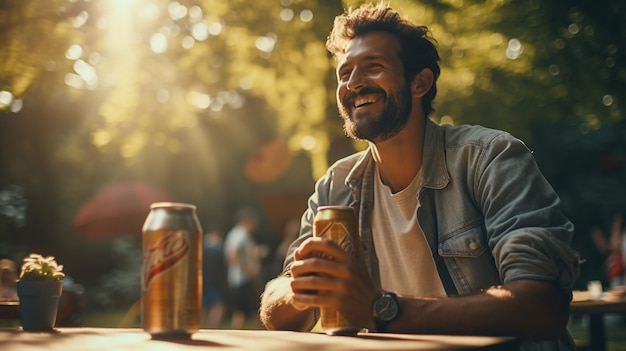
488,214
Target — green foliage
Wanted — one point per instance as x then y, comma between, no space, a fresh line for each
38,267
24,26
182,94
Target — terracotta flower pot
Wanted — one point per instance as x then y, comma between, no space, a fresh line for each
39,303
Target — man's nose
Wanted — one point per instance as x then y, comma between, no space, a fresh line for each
356,81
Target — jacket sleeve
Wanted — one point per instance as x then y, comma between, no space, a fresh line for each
528,234
330,189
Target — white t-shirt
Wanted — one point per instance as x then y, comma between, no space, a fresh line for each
405,261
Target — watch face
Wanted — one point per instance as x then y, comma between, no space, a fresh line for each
386,308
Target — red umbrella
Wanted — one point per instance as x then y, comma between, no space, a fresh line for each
117,210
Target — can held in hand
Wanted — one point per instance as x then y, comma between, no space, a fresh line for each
339,224
172,271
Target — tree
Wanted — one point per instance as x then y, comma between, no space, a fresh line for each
179,94
182,93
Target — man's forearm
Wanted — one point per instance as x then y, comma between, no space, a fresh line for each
529,309
277,312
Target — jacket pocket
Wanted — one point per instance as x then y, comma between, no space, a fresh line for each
469,261
469,243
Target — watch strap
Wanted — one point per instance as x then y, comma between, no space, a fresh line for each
381,325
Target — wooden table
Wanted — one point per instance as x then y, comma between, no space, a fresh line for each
101,339
596,309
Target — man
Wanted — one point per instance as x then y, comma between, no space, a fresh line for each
461,233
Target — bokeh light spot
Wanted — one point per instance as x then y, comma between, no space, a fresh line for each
200,31
74,80
266,43
100,138
215,28
514,49
554,70
286,15
80,20
158,43
245,83
176,10
308,142
16,105
195,13
203,101
217,105
74,52
5,98
306,15
496,38
188,42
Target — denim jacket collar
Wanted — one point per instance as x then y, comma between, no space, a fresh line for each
435,173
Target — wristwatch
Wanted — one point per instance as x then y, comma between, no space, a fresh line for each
386,309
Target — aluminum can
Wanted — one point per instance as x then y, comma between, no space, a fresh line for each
339,224
172,271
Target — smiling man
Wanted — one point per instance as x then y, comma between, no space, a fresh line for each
461,233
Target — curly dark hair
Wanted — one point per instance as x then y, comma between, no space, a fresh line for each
418,48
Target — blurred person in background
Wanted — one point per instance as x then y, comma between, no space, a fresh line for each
213,278
243,259
614,249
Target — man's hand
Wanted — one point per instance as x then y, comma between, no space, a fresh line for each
324,275
278,312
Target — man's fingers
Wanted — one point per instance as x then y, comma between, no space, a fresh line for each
320,247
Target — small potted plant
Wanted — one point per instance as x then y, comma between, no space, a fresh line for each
39,288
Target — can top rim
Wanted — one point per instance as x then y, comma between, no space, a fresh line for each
172,204
336,207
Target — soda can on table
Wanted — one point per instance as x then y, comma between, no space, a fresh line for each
172,271
339,224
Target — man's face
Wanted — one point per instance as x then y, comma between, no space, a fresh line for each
373,97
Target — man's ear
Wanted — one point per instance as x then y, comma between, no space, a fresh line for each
422,82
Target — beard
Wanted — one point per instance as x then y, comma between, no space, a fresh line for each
381,127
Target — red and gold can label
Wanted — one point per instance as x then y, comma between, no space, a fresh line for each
171,299
163,256
339,224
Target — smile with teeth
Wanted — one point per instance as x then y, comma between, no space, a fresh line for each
364,100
